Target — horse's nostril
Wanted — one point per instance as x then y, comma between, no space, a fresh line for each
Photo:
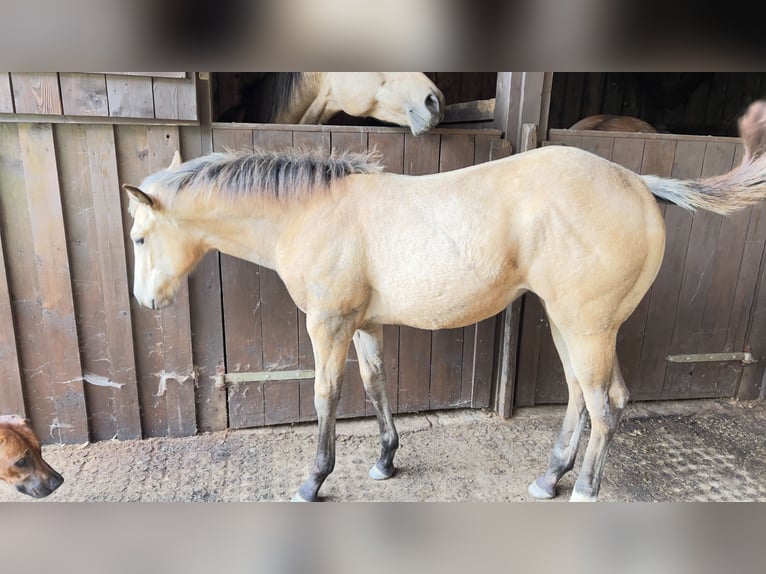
432,103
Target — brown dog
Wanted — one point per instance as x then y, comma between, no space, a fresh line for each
21,460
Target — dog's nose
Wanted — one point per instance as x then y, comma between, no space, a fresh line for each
55,481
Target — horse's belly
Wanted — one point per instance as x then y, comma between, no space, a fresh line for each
441,305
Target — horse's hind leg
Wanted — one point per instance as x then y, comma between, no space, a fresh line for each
369,350
594,362
565,450
330,339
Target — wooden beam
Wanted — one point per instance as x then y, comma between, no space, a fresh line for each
476,111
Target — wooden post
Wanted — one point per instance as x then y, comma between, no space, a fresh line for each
518,100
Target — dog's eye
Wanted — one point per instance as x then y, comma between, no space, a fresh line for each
22,462
139,241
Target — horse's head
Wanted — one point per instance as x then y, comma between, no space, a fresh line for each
164,252
402,98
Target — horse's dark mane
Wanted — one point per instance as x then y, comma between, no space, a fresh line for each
283,175
261,100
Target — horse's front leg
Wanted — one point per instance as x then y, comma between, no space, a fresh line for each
330,339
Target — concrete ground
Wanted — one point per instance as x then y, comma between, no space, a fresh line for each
712,450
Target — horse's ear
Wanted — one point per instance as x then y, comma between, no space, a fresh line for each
176,160
137,195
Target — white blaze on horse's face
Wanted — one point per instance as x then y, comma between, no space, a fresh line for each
402,98
163,253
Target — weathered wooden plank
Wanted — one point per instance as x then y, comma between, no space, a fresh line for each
710,380
628,153
279,318
391,148
84,94
130,97
353,401
36,93
602,147
162,339
206,308
698,270
62,361
421,156
11,391
749,302
687,164
22,284
449,347
174,99
91,199
240,289
6,94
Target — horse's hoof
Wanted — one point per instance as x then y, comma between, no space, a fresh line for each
539,492
298,498
580,497
377,474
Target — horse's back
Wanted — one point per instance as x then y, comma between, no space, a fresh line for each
454,247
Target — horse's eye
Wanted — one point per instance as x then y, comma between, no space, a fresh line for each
139,241
21,463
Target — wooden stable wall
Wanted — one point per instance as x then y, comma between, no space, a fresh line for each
264,331
84,361
702,301
149,95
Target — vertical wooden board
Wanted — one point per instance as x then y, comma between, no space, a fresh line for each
241,293
6,95
91,199
659,157
22,283
306,409
748,299
421,156
629,153
451,85
602,146
573,97
130,97
664,297
710,379
550,385
65,386
391,148
482,146
447,345
36,93
273,139
593,94
281,402
471,86
206,312
84,94
162,339
349,141
279,317
560,137
11,392
480,388
697,272
532,328
174,99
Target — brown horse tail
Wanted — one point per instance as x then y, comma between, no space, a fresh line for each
743,186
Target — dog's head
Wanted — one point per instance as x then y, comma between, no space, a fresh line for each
21,460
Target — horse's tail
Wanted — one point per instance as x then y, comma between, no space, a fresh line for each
743,186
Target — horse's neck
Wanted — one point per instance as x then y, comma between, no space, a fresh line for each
312,102
232,231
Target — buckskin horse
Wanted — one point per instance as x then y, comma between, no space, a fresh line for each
403,98
358,249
